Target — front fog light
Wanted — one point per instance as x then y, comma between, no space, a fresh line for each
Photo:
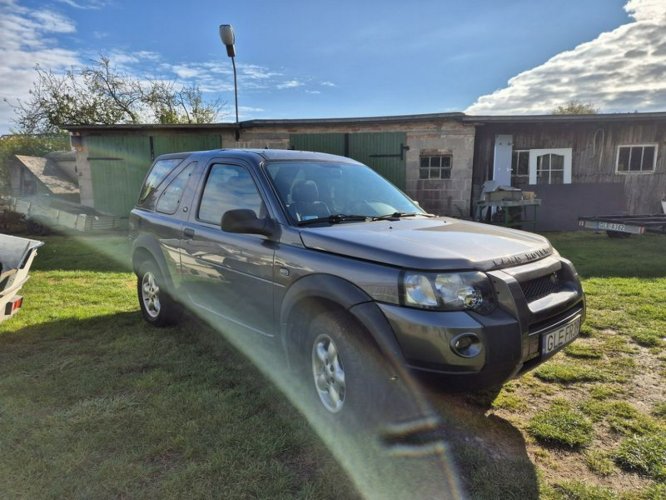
466,345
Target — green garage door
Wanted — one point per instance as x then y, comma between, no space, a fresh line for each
163,144
324,143
118,165
383,151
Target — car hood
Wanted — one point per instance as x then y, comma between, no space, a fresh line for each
439,243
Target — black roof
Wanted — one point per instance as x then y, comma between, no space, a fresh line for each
265,154
379,120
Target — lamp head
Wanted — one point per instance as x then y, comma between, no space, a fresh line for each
228,39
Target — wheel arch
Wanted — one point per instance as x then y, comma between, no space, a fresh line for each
322,292
146,247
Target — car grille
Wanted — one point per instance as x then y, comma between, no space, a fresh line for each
537,288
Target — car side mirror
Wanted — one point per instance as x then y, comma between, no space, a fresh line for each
243,220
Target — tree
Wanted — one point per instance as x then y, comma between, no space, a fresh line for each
101,95
576,108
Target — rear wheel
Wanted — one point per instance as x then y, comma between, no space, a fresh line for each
157,307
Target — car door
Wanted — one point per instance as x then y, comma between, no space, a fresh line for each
228,275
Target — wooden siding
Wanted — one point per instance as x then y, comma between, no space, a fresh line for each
594,155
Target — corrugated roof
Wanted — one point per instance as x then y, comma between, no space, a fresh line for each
48,174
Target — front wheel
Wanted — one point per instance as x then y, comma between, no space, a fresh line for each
344,367
157,308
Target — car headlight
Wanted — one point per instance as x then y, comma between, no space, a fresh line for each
468,291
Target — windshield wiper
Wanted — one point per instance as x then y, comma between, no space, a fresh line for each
334,219
399,215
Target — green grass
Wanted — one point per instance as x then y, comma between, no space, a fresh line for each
570,372
621,417
596,255
95,404
599,462
645,454
561,425
577,490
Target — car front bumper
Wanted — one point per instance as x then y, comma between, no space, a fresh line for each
510,338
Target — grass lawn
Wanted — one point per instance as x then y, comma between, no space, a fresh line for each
591,422
93,403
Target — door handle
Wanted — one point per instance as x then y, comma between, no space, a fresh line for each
188,232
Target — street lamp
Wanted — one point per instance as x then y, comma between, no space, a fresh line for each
229,39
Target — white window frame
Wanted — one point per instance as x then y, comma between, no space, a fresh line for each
518,151
636,172
565,152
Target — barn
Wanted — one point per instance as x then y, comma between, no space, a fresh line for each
575,164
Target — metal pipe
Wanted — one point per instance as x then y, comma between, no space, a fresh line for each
233,63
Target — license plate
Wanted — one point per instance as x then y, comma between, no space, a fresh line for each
558,338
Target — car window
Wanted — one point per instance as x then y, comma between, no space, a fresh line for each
228,187
312,189
161,169
170,198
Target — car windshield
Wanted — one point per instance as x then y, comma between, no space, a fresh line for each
337,192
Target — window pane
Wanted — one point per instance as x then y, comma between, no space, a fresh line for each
424,173
168,202
228,187
648,158
425,161
557,177
635,159
623,160
446,173
435,161
556,162
523,163
434,173
446,161
158,173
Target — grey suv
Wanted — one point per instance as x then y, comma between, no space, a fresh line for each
330,264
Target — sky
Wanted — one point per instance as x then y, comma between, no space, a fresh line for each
342,58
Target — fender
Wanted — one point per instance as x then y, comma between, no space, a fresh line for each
348,296
150,244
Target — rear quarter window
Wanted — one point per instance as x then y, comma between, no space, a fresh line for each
160,170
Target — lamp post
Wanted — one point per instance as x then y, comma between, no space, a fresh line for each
229,39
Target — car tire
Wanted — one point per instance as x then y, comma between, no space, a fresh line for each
340,364
157,307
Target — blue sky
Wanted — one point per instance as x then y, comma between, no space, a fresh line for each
357,58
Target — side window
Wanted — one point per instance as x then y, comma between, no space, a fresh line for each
157,174
228,187
170,198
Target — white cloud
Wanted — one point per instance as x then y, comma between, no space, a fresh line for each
33,36
621,70
54,22
26,42
314,92
328,84
290,84
85,5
